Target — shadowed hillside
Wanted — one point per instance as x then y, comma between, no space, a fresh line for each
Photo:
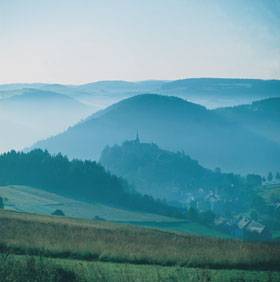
220,92
173,124
81,180
162,173
261,117
37,114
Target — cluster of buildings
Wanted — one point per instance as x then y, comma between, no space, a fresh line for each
204,201
243,228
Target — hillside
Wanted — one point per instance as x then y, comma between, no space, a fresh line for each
82,180
38,201
37,114
221,92
173,124
45,248
108,242
261,117
174,177
32,200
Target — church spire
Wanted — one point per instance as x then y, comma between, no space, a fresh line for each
137,139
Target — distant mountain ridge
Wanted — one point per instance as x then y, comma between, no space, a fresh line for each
261,117
37,114
173,124
35,95
210,92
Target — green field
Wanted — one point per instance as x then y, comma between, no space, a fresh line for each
114,252
27,199
31,200
184,227
26,268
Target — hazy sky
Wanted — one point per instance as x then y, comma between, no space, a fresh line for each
79,41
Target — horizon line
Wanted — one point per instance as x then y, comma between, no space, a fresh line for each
139,81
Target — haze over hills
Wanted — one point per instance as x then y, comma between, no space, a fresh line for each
173,124
210,92
261,117
37,114
218,92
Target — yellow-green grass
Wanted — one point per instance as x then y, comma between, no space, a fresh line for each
185,227
103,241
15,268
33,200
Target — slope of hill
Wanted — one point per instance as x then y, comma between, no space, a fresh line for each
108,242
86,181
32,200
174,177
221,92
121,87
98,94
173,124
261,117
38,201
33,98
38,114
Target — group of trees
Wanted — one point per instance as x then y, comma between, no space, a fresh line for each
160,172
83,180
1,203
270,177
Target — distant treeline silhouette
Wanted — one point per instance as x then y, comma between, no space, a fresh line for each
82,180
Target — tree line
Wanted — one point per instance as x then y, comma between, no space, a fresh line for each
83,180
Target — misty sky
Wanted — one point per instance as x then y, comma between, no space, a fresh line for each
80,41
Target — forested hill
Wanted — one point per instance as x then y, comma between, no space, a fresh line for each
261,117
169,175
82,180
174,124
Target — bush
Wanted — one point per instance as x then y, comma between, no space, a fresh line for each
58,213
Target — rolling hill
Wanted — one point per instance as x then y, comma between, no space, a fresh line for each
80,180
210,92
174,124
221,92
37,114
57,237
261,117
32,200
163,174
37,201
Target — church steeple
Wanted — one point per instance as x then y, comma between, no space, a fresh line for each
137,139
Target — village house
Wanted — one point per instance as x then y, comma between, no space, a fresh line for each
253,230
243,228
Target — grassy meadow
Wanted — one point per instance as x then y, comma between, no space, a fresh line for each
18,268
89,250
33,200
183,227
